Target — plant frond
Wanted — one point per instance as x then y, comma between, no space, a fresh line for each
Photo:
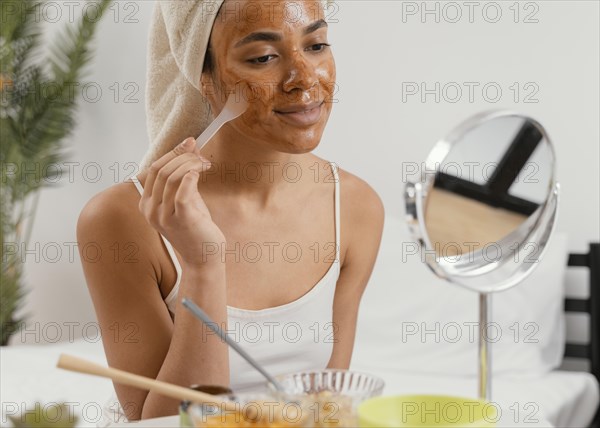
37,113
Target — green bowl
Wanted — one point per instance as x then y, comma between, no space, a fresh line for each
426,411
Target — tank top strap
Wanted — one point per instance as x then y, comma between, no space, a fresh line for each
336,179
137,183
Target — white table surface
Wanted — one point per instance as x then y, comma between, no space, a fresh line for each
167,421
507,420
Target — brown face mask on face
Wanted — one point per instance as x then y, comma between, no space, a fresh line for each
280,50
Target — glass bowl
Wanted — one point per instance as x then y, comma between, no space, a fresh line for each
332,394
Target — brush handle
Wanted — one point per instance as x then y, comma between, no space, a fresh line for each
69,362
203,316
235,106
210,131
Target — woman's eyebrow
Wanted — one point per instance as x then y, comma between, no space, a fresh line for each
311,28
269,36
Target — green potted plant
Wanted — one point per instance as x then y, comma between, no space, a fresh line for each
36,115
57,415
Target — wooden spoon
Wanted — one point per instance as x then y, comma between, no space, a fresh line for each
69,362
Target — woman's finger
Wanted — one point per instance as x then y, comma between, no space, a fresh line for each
187,198
174,181
166,174
153,191
158,164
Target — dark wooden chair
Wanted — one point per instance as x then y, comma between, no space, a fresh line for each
591,306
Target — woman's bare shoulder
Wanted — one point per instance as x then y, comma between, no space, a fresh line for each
360,201
116,206
361,210
112,220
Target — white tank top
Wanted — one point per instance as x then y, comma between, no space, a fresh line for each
292,337
288,338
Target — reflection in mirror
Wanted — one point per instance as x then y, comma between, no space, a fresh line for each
489,187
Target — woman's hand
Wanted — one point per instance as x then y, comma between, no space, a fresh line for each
172,204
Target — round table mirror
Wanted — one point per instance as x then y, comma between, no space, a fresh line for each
484,209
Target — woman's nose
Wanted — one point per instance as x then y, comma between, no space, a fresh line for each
301,74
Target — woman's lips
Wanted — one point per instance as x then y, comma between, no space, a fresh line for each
302,118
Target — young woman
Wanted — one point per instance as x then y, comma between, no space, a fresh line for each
274,243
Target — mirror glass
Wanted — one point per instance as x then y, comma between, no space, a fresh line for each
495,177
486,202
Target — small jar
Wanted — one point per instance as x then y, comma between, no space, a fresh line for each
184,416
259,409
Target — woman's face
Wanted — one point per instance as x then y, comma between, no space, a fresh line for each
280,50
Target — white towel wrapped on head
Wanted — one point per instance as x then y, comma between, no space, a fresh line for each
178,39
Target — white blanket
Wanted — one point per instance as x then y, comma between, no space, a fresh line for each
28,374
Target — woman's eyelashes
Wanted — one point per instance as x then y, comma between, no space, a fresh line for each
323,46
259,60
265,58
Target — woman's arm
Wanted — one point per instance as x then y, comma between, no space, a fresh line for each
362,216
137,331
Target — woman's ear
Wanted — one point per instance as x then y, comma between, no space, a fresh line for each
205,84
207,90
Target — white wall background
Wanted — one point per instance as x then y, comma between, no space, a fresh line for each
374,128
